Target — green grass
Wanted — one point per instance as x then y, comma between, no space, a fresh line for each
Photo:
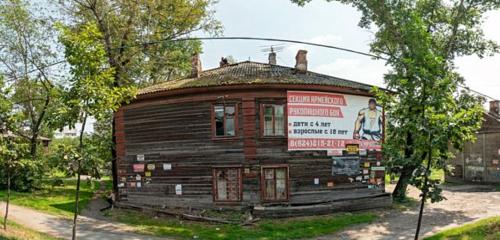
18,232
436,174
266,229
487,229
57,200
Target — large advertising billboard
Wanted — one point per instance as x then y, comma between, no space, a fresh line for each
328,121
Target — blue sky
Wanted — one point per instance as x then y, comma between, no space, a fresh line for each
327,23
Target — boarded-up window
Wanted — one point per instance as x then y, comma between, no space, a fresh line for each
275,183
225,120
273,120
227,184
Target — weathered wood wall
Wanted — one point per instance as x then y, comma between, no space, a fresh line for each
178,131
479,161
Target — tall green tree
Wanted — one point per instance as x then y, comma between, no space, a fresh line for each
427,111
90,91
13,149
27,48
128,26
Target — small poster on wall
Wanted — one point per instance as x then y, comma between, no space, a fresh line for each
140,158
138,167
167,166
345,166
178,189
151,166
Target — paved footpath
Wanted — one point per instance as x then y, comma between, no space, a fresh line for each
463,205
87,228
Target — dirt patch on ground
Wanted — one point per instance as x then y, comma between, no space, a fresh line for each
465,203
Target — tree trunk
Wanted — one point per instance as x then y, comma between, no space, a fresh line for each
33,146
424,195
7,202
399,193
114,165
76,201
79,171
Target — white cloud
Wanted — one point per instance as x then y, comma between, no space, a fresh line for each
327,39
482,75
360,70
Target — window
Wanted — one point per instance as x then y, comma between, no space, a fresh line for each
225,120
273,120
275,183
227,184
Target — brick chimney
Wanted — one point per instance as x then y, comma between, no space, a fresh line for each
495,107
301,61
223,62
272,58
195,66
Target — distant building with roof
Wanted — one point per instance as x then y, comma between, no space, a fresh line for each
480,160
279,141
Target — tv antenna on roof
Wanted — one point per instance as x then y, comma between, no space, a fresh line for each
271,51
272,48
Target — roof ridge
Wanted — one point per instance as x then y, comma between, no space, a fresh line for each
251,72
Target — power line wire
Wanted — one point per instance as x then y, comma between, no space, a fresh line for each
255,39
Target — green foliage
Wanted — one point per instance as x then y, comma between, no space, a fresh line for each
487,229
27,47
56,200
127,25
300,228
426,109
97,155
19,232
91,91
14,159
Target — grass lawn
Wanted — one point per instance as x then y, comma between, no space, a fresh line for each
276,229
436,174
58,200
487,229
18,232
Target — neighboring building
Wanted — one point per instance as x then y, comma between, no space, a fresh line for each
480,161
277,140
41,140
68,132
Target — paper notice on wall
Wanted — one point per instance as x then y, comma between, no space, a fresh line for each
139,184
138,177
140,158
316,181
326,121
138,167
334,152
178,189
167,166
151,166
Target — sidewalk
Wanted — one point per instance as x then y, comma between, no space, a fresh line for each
87,228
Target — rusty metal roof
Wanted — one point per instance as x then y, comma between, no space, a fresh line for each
250,73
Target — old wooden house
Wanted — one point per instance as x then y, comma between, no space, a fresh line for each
480,160
276,140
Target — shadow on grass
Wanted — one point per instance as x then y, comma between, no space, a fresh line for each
276,229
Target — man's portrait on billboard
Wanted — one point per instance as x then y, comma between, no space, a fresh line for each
368,124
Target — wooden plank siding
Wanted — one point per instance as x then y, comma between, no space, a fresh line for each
178,130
